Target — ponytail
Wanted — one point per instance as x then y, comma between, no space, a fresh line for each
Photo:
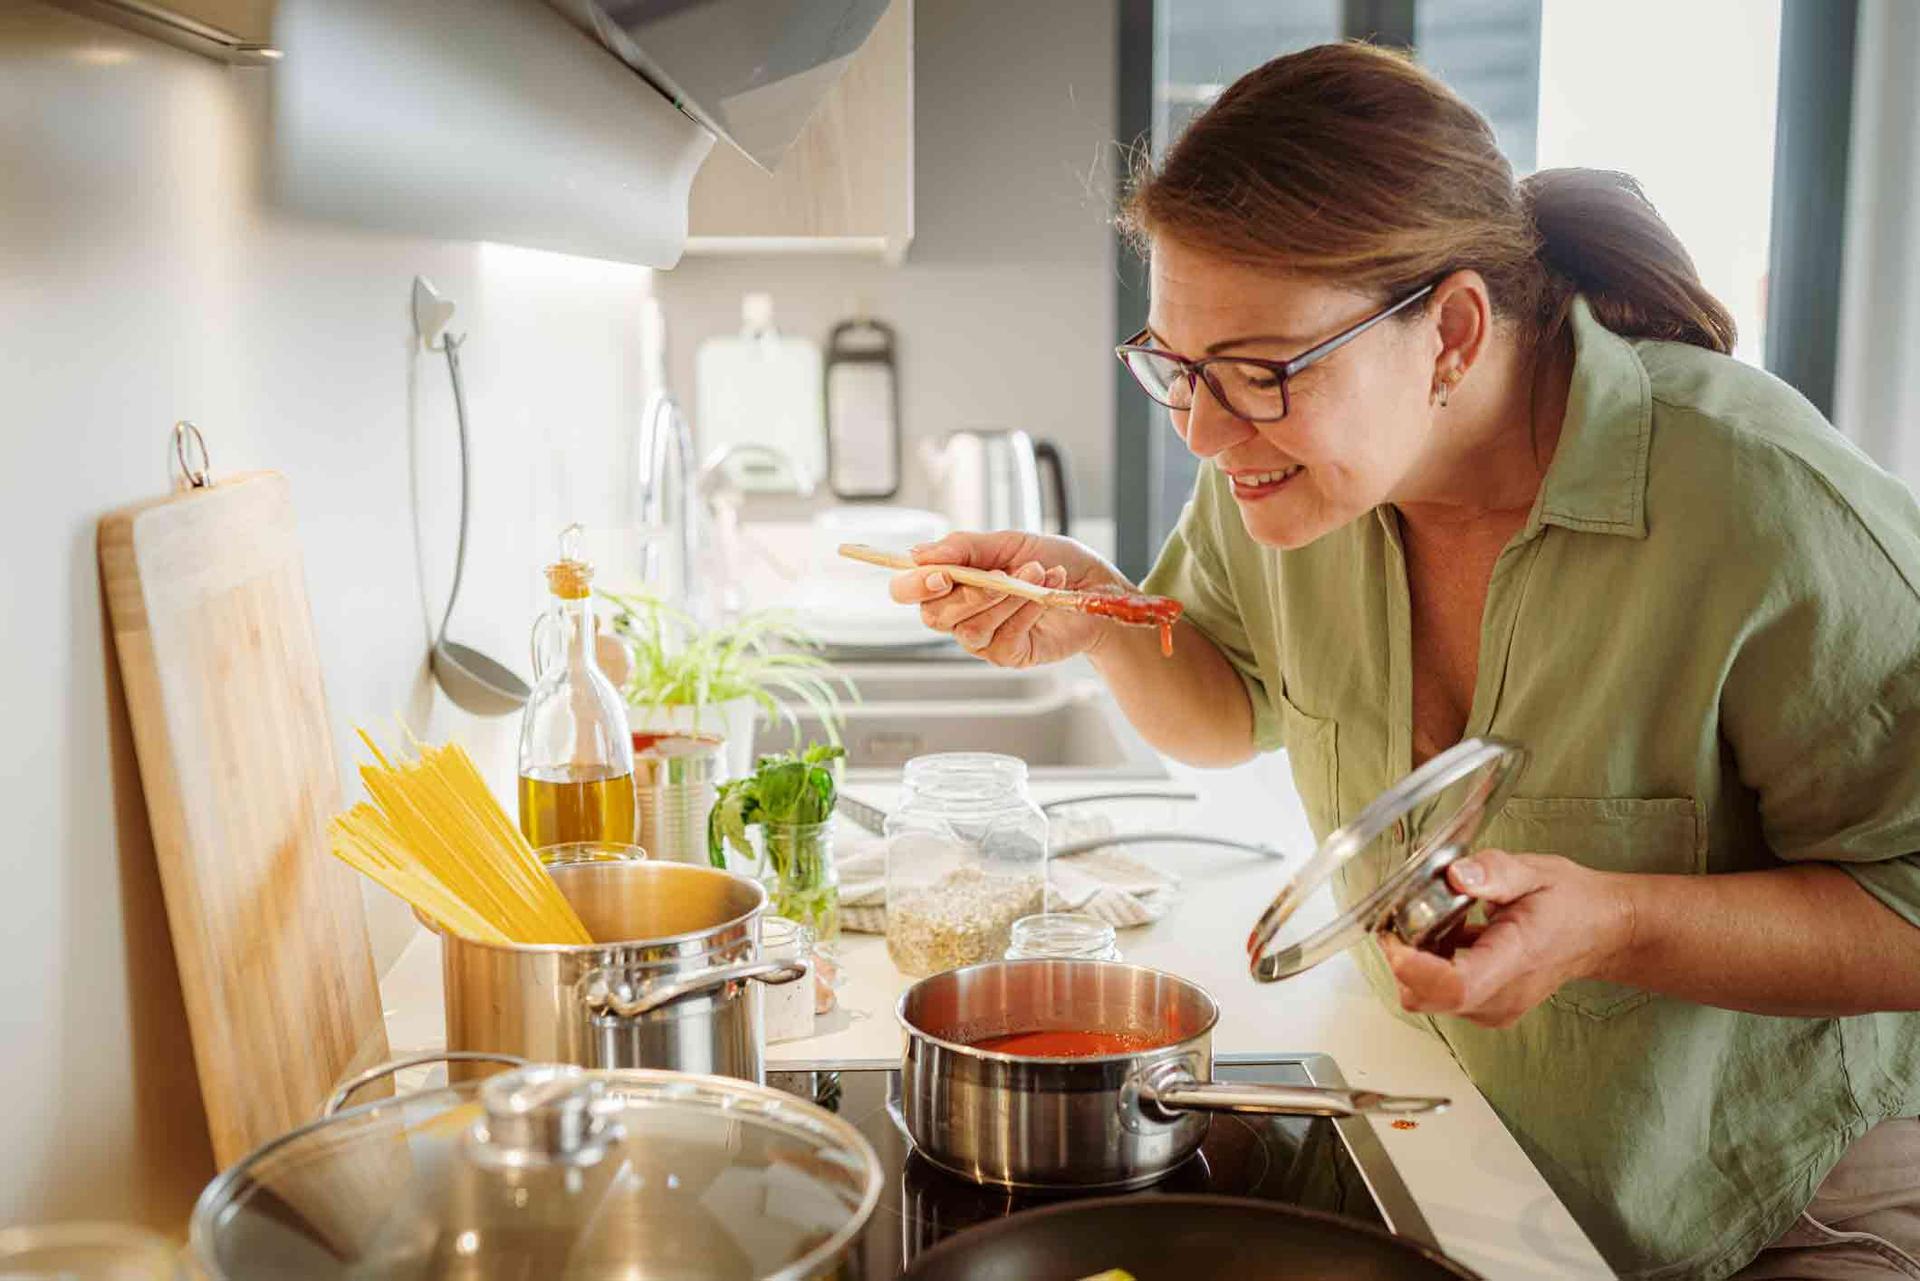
1600,237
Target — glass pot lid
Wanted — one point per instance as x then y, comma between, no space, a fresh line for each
550,1172
1445,802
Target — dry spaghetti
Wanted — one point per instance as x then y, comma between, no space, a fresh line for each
433,834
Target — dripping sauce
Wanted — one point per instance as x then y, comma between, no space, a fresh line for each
1136,609
1068,1043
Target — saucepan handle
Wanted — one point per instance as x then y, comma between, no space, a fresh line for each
1170,1092
608,992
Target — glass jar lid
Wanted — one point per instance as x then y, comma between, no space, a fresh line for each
549,1171
1445,803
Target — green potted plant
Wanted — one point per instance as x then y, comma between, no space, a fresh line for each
720,680
788,801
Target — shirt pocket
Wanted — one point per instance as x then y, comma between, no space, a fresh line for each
1608,834
1312,751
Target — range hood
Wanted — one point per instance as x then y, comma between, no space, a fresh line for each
569,125
752,71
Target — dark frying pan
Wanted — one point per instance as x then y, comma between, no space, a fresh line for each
1180,1238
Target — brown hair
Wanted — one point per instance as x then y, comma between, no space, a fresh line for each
1348,162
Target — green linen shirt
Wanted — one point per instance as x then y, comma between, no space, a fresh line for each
1708,634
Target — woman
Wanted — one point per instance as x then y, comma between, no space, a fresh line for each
1474,460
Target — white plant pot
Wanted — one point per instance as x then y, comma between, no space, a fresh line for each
733,720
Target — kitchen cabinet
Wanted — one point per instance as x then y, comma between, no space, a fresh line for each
846,186
238,31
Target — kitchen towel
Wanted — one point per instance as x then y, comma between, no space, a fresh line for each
1102,882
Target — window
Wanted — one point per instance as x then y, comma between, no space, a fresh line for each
1681,94
1697,128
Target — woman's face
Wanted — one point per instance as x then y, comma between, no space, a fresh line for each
1360,421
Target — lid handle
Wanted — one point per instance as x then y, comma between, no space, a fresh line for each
545,1114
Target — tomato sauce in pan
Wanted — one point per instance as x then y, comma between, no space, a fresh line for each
1137,609
1069,1043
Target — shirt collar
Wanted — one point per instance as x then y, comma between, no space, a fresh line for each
1597,481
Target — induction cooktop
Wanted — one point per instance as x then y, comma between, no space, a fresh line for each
1315,1162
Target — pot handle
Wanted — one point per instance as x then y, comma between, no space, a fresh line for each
1171,1091
346,1089
606,994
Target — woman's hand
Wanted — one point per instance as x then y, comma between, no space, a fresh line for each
1551,920
1008,631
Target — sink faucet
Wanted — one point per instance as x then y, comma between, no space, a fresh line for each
721,489
663,453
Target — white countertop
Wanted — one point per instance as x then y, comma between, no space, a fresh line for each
1481,1195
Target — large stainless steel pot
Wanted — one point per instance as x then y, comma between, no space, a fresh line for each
1113,1121
549,1171
670,985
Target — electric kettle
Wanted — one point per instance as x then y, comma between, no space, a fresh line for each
987,480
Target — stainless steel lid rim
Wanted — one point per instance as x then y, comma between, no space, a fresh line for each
1492,765
637,1089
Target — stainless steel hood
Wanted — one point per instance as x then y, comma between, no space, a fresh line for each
752,71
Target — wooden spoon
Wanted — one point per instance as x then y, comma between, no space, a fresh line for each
1132,608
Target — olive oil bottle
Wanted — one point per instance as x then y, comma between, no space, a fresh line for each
576,753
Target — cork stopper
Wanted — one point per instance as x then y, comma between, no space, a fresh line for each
570,577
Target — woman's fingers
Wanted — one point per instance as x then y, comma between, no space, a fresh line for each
1002,550
976,630
918,586
1495,876
1484,983
1428,984
1013,643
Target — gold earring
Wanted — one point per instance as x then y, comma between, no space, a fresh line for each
1445,387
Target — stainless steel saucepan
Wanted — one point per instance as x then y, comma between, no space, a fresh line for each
668,984
1110,1121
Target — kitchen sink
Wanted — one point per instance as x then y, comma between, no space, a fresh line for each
1059,719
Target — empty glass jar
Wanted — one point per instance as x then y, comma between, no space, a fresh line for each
1065,936
966,858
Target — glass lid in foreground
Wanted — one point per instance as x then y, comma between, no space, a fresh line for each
1444,804
548,1172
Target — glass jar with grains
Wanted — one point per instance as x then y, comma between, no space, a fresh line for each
966,858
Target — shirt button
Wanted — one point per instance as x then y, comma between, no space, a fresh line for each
1399,830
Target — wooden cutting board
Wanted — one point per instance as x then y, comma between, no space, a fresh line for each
208,602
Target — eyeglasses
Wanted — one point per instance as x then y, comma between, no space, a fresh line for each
1254,390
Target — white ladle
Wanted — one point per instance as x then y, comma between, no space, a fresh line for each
473,681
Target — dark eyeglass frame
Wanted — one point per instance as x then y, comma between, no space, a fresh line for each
1196,371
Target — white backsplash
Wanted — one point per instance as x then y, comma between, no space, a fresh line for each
142,280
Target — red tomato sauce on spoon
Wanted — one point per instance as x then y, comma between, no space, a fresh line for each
1136,609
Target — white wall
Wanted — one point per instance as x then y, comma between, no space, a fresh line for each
1004,307
142,281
